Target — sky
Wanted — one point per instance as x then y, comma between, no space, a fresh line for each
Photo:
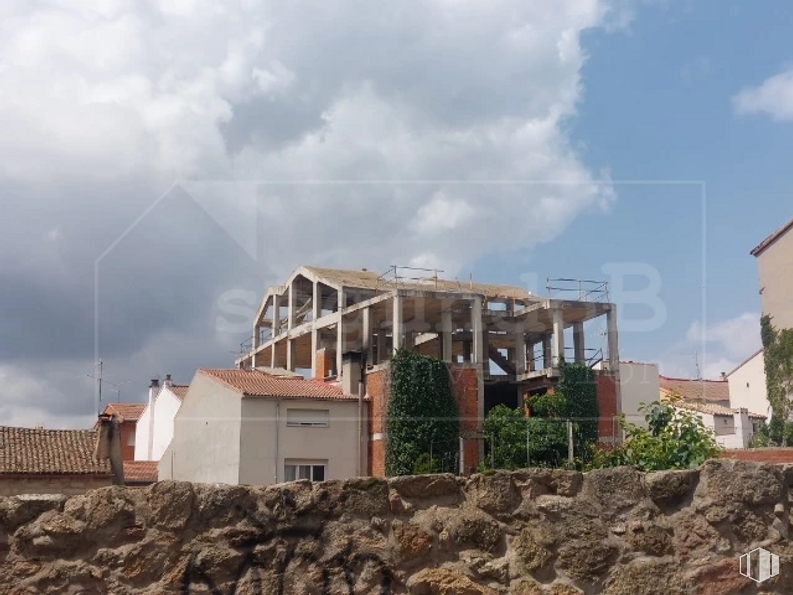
163,162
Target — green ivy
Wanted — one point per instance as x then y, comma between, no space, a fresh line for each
509,432
778,361
574,397
422,416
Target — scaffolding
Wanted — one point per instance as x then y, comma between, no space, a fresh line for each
583,290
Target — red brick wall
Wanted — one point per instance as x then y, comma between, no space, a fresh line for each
127,451
761,455
323,363
607,404
465,388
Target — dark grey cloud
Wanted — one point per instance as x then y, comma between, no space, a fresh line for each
104,105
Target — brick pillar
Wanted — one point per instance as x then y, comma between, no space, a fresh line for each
322,363
465,388
607,405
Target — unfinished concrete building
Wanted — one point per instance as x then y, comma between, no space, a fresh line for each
502,342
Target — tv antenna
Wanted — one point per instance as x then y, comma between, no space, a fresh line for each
100,380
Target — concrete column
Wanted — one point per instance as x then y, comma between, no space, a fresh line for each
546,351
290,355
478,355
316,301
339,345
613,339
366,336
314,348
446,335
273,356
520,353
254,345
290,306
578,342
557,342
382,345
398,323
276,315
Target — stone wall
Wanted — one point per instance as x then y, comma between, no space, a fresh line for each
530,532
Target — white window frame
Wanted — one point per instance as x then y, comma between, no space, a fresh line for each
309,465
307,413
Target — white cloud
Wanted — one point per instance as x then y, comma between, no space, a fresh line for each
714,348
773,97
426,106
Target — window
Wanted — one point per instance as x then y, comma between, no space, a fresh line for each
307,418
131,439
312,471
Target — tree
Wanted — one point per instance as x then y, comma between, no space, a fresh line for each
675,439
517,441
422,417
778,361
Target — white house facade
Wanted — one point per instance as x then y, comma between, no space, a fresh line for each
748,387
250,427
154,430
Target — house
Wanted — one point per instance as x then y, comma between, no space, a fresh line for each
155,426
140,473
639,386
747,385
128,416
775,271
502,343
250,427
39,461
710,399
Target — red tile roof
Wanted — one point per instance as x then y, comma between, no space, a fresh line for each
717,391
772,238
126,411
180,390
710,408
140,471
260,384
49,452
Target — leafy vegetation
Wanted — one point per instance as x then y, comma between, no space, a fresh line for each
517,441
422,416
674,439
778,360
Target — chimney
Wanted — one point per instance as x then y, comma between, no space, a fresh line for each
723,376
108,446
351,372
154,389
168,381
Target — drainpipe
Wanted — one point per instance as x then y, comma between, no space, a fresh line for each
277,423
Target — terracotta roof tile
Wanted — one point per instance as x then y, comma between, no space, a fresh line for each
717,391
127,411
49,452
140,471
180,390
708,408
260,384
772,238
